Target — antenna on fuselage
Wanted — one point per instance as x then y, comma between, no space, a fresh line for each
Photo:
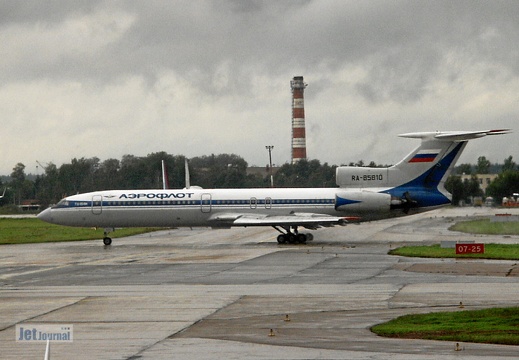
47,351
165,184
188,180
188,177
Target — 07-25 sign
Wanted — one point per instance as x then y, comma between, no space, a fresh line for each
470,249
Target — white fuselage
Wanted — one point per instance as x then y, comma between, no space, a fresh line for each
209,207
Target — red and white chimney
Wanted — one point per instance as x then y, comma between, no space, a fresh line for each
298,119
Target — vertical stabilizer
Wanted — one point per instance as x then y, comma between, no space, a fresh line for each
420,177
429,164
436,156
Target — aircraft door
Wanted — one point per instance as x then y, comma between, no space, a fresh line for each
97,204
268,203
205,203
253,203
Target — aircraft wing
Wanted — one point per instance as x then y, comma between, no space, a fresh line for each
307,220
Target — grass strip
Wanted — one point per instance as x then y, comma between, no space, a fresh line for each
493,326
492,251
485,226
480,226
32,230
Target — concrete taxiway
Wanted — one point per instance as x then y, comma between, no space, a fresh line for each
206,294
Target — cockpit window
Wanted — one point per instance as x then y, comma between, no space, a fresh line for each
63,203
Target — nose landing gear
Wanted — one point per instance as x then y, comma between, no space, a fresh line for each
106,239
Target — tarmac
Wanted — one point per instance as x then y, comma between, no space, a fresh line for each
237,294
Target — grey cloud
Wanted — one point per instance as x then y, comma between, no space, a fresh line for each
376,60
401,43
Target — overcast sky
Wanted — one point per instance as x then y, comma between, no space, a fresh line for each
109,78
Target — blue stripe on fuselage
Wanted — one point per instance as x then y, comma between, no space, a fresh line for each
135,203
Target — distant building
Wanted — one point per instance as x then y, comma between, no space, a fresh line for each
483,179
29,205
261,170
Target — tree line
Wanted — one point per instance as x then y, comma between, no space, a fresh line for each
214,171
506,183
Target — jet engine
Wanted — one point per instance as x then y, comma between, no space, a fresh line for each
362,202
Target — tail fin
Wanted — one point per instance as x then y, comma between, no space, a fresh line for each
429,164
432,162
418,180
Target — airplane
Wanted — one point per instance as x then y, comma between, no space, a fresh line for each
413,185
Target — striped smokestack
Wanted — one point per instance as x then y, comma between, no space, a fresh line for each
298,119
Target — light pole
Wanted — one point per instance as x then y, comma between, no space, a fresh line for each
269,148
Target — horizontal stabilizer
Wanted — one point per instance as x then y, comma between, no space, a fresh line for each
455,135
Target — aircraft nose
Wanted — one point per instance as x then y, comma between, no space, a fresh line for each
45,215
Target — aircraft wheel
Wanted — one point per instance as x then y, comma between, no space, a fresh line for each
282,239
107,240
301,238
309,237
292,239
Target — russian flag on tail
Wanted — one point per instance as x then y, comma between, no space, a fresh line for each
425,155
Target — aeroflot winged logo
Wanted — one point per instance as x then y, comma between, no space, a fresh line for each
426,155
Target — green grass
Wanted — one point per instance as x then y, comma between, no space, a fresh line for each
32,230
485,226
496,326
481,226
492,251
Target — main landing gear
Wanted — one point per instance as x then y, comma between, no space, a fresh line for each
292,236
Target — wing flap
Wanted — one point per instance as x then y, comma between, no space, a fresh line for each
309,220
